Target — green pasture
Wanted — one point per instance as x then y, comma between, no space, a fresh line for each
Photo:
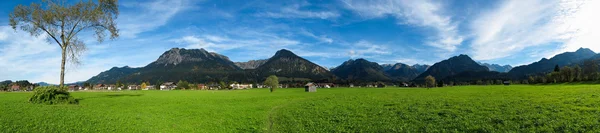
516,108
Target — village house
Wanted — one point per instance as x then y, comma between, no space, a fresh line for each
260,86
507,82
111,87
100,87
325,85
15,87
133,87
201,87
214,87
74,88
404,85
168,86
310,87
241,86
149,87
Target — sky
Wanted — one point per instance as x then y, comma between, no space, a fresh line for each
326,32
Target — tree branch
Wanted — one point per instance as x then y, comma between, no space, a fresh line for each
44,29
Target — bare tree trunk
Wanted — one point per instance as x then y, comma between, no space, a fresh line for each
62,67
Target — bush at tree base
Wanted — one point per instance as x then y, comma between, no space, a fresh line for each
52,95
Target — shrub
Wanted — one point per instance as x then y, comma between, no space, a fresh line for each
52,95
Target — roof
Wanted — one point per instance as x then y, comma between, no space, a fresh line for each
309,84
168,83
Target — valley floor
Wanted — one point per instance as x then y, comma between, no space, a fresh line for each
520,108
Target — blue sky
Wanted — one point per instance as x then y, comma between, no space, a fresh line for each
326,32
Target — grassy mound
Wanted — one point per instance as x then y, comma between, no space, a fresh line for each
52,95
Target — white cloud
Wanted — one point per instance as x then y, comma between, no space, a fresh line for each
584,25
294,11
516,25
366,49
420,13
322,38
24,57
218,43
149,16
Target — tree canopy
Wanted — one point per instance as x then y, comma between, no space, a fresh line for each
272,82
61,21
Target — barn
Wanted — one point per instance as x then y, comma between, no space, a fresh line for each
310,87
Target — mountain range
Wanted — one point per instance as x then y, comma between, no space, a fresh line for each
360,70
199,65
452,66
496,67
547,65
252,64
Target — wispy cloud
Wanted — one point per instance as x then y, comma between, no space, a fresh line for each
295,11
366,49
422,13
321,38
515,25
219,43
148,16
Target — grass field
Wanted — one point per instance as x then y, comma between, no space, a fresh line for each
570,108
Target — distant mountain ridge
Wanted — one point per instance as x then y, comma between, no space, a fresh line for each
547,65
421,68
251,64
496,67
112,75
201,66
44,84
451,66
187,64
401,72
360,70
287,64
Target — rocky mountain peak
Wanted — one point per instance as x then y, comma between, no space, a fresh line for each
178,55
251,64
285,53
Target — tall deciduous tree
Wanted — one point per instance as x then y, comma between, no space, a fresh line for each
143,86
272,82
590,70
61,21
429,81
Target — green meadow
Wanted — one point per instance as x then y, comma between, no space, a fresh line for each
516,108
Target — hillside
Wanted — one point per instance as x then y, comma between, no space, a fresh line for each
451,66
195,65
112,75
497,68
360,70
289,65
252,64
402,72
547,65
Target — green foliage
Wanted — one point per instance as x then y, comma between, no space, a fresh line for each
223,85
143,86
182,85
430,81
52,95
62,22
157,85
272,82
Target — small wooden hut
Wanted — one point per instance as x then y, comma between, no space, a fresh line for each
310,87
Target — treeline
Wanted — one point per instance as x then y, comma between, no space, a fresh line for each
20,85
569,74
